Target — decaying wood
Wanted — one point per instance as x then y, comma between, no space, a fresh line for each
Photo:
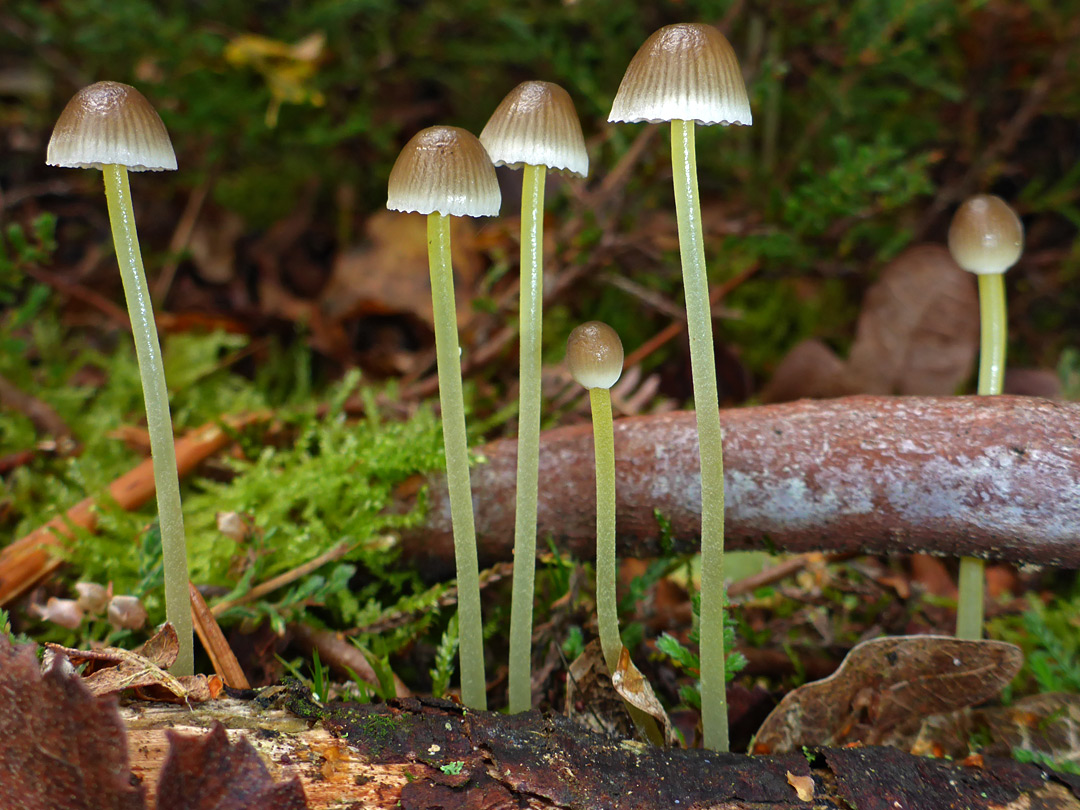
413,754
993,477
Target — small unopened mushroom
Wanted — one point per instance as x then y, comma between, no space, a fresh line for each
594,354
537,128
986,237
126,613
688,73
112,127
92,597
64,612
444,172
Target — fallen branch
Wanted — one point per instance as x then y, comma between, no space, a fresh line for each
993,477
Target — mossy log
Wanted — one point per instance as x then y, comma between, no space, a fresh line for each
423,754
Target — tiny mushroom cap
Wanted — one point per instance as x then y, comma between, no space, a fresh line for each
536,124
986,235
109,123
594,354
685,72
444,170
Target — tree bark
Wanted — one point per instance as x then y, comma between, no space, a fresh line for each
416,755
993,477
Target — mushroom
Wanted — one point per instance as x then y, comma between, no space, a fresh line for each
535,127
594,355
112,127
985,238
444,172
684,74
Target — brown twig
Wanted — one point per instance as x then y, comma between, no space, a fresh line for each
213,641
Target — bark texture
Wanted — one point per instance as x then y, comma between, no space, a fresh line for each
992,477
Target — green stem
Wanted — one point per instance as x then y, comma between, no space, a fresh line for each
158,420
994,329
452,401
714,714
606,603
528,459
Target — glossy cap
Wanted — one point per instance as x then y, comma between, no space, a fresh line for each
536,124
594,354
986,236
444,170
687,72
109,123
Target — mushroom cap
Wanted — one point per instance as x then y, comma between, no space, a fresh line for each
444,170
109,123
986,235
683,72
594,354
536,124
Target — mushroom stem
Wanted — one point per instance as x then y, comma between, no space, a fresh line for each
714,713
993,324
606,603
158,420
528,460
452,402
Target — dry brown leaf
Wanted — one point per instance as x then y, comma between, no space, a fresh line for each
590,698
886,687
111,669
635,689
918,331
811,369
804,786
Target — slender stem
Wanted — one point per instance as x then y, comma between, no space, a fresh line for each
994,328
470,628
158,420
528,459
714,713
606,604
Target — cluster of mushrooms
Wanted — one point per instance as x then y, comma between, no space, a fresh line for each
686,74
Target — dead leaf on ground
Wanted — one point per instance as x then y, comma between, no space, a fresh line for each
590,699
61,748
111,669
918,334
207,772
635,689
886,687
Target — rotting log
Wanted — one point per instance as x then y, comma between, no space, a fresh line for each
992,477
416,754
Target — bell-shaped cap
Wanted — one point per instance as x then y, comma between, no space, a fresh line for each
986,235
536,124
594,354
109,123
444,170
683,72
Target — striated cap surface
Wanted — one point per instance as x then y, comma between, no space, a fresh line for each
594,354
986,235
536,124
444,170
110,123
687,72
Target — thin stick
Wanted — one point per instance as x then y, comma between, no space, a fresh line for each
452,401
213,641
158,419
714,714
528,461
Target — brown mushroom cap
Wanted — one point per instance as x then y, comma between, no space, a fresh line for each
594,354
986,235
683,72
109,123
536,124
444,170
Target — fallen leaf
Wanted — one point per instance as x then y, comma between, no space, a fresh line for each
61,748
887,687
590,699
112,670
804,786
207,772
635,689
811,369
918,332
